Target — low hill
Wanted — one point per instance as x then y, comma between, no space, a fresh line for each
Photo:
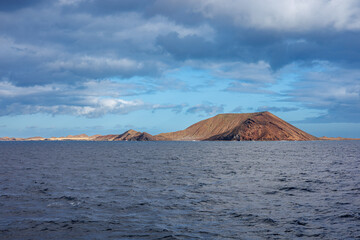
109,137
262,126
337,138
11,139
132,135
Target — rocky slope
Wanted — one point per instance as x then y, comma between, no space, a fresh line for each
262,126
11,139
109,137
132,135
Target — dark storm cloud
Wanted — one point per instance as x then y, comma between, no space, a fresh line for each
41,35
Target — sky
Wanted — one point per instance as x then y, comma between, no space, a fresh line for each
105,66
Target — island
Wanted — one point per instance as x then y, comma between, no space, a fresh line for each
258,126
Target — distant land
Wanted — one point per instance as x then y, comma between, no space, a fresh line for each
259,126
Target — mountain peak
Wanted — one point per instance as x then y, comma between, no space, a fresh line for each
259,126
132,135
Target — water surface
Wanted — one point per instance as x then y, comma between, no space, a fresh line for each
180,190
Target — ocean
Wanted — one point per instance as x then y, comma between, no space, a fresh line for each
180,190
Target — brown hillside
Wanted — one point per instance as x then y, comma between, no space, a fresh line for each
109,137
337,138
132,135
11,139
262,126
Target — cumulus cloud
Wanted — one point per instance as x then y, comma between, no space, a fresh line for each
90,99
87,39
52,49
83,46
96,107
281,15
7,89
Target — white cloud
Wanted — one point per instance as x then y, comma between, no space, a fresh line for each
140,29
8,89
207,108
327,86
252,72
285,15
90,99
10,50
96,64
94,107
69,2
236,70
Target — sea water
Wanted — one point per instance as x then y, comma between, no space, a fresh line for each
180,190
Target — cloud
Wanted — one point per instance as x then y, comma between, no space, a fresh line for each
55,55
280,15
238,109
91,99
14,5
76,40
235,70
74,46
276,109
98,66
177,108
188,47
95,107
327,87
241,76
277,32
106,7
244,87
206,108
7,89
249,77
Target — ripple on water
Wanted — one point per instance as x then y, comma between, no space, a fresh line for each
180,190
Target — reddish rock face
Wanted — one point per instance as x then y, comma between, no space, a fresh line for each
132,135
105,137
262,126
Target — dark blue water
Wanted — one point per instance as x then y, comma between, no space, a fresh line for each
180,190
